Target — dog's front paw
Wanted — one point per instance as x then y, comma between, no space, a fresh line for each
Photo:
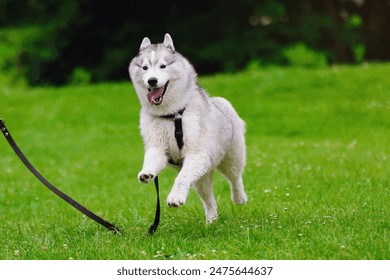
175,199
145,177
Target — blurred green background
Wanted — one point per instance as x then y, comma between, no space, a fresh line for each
317,174
58,42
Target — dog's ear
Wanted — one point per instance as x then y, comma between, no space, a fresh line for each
145,43
168,42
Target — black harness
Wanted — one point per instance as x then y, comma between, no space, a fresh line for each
178,126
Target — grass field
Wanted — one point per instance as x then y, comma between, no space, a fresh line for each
317,174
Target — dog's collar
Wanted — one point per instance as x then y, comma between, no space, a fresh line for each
173,116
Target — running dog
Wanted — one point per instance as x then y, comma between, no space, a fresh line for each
183,127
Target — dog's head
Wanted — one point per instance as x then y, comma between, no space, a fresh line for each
161,76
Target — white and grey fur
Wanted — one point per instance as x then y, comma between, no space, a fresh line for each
213,131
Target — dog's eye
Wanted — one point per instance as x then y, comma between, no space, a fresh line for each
163,66
145,67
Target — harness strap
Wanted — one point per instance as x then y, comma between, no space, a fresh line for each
62,195
178,126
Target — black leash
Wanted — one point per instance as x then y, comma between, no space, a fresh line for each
65,197
156,221
68,199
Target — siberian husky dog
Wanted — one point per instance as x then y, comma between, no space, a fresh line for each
213,133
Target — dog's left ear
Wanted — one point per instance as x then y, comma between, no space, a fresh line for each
168,42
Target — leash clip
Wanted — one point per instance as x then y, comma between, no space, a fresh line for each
3,128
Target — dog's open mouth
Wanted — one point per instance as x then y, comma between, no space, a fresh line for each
156,95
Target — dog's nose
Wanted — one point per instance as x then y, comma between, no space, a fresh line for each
152,82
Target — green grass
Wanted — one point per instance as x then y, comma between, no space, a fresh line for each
317,173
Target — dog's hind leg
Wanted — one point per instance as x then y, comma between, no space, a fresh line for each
232,168
204,188
238,195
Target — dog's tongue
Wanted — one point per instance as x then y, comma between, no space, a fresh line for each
155,95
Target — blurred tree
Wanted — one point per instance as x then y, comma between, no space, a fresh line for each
100,37
376,29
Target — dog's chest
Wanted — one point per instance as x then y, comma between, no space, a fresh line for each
174,154
160,133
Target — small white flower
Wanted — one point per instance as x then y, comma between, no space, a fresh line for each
158,255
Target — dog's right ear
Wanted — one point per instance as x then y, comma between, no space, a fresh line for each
145,43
